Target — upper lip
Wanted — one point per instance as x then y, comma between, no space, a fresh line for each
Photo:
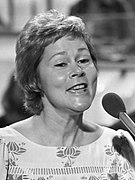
79,84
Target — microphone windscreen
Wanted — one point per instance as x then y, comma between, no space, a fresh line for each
113,104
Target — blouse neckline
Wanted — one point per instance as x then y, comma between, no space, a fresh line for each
42,146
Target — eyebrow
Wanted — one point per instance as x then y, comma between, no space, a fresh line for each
64,52
82,49
56,54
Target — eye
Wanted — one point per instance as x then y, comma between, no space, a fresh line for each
84,61
60,65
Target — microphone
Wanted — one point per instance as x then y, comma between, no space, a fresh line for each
114,105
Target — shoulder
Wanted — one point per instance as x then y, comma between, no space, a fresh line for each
96,133
6,132
99,129
12,132
112,134
23,126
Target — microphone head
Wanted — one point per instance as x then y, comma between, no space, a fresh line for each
113,104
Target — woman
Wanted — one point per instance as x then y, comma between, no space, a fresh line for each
56,68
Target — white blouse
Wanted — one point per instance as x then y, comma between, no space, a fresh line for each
22,159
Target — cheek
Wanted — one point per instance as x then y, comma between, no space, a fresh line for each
58,79
53,80
92,80
92,75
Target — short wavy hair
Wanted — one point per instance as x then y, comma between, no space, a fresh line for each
40,31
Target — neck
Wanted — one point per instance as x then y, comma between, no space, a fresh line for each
60,130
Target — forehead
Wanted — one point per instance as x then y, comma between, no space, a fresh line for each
66,44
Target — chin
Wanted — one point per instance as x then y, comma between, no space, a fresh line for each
81,107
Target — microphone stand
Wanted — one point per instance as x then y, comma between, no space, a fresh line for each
127,121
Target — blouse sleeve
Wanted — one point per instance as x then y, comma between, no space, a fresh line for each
125,145
3,159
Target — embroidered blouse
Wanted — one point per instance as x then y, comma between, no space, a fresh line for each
22,159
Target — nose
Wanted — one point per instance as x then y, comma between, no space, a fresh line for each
76,71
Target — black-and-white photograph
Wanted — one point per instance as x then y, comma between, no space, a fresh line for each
67,90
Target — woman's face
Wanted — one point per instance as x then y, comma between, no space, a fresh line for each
68,75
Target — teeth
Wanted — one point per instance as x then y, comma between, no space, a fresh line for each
79,87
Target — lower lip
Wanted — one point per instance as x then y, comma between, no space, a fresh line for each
79,92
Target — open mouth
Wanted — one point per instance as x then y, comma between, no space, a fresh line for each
78,87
